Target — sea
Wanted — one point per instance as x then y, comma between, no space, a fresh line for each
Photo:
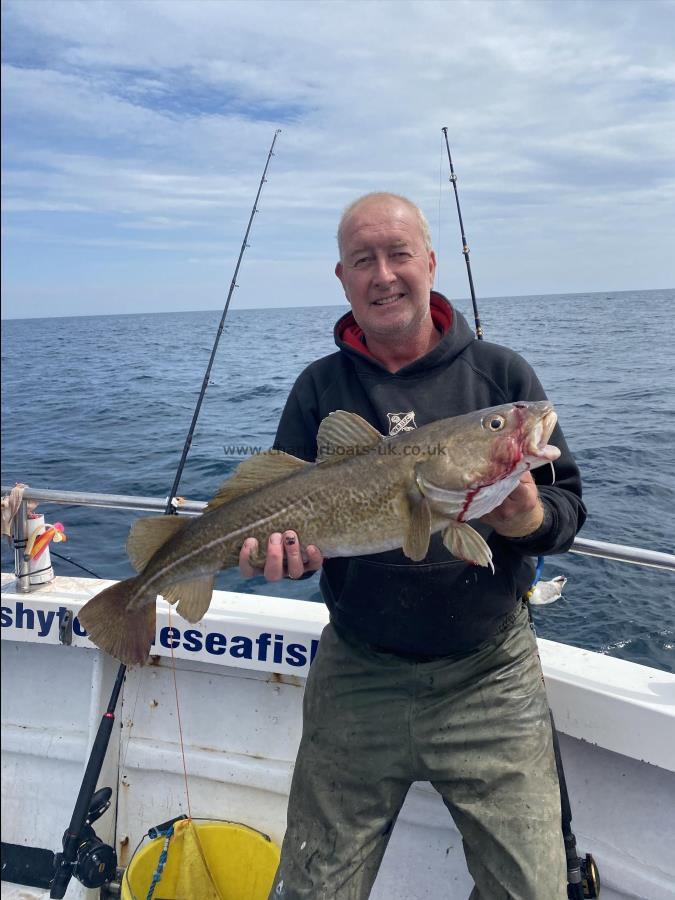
103,404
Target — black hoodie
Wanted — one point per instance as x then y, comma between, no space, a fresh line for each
440,606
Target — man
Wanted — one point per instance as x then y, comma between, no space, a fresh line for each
427,671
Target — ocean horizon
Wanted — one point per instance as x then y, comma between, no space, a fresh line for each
463,303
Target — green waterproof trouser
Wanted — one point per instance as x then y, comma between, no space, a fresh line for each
476,727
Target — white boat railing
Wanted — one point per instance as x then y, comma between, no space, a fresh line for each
584,546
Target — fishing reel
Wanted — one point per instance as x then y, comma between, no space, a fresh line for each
585,882
95,862
590,877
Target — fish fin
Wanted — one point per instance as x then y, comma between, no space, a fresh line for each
253,473
193,597
345,434
465,543
416,543
148,535
444,500
127,634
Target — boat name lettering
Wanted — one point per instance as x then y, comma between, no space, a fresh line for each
39,620
263,647
266,647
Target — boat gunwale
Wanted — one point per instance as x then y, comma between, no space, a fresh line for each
584,546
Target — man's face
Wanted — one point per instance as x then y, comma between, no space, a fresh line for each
385,269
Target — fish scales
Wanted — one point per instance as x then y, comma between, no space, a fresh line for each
319,506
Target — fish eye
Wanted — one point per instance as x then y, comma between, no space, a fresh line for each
494,422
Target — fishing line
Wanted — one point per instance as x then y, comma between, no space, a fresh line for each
465,246
180,724
72,562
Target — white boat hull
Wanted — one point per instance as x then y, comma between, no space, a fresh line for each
240,711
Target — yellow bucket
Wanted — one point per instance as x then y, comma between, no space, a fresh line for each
205,861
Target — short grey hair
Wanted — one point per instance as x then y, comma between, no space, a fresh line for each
385,195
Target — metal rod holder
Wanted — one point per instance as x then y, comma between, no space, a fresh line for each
20,538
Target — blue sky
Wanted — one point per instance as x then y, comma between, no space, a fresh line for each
134,136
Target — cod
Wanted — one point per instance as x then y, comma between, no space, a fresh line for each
364,494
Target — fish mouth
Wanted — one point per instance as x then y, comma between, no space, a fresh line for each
537,445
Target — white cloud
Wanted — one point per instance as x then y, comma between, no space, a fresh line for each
158,115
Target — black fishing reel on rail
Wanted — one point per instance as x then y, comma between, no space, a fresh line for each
95,862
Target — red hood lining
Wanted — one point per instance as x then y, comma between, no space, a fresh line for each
352,333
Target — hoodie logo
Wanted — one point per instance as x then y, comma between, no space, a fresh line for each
399,422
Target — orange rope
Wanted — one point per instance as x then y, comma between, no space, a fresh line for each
180,725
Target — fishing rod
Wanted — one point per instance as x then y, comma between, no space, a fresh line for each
583,879
85,856
465,246
170,507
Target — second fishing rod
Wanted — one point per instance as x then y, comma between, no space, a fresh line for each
465,246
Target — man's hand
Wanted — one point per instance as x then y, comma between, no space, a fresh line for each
284,557
521,513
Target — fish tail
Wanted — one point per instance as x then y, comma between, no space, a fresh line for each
123,632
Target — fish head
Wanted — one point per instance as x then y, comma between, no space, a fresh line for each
488,446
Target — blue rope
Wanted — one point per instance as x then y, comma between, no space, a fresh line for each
161,862
528,594
537,571
537,576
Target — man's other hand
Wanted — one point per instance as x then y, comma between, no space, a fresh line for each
521,513
285,557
